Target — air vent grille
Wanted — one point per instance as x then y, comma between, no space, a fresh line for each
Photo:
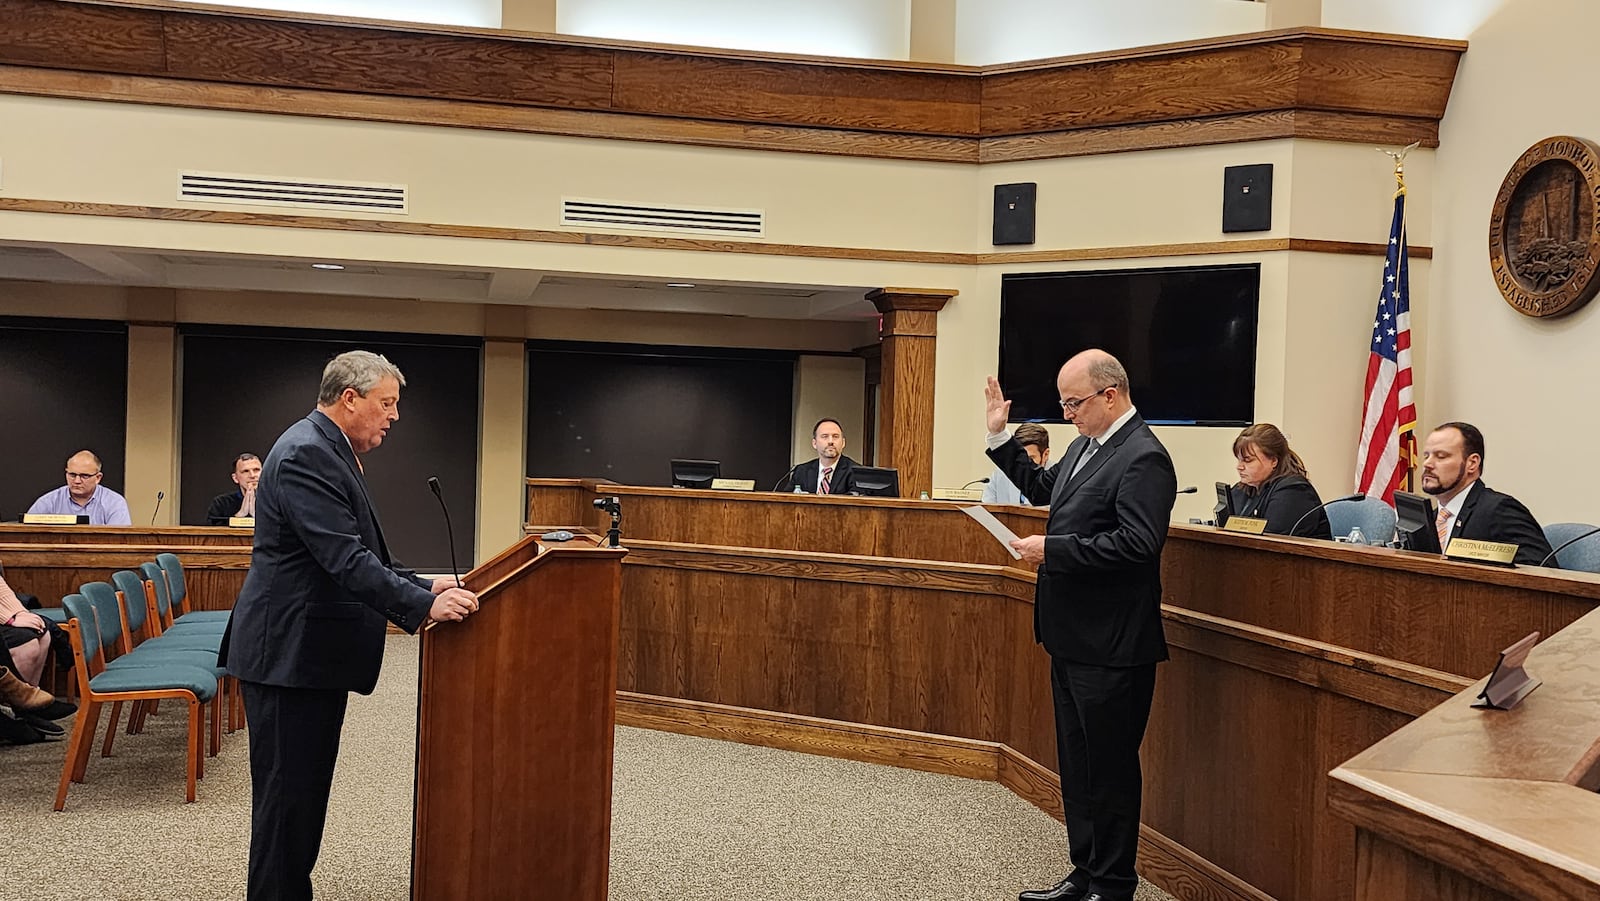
299,193
678,220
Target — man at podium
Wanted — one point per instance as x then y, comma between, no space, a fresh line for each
309,625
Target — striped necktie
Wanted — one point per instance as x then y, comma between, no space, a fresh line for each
1443,527
827,474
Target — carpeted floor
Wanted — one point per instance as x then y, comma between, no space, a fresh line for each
693,819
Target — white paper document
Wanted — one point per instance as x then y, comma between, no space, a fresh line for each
996,528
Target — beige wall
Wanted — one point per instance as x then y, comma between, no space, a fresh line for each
1315,308
1526,383
829,386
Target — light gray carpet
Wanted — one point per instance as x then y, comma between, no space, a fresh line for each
693,819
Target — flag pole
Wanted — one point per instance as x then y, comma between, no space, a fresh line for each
1408,438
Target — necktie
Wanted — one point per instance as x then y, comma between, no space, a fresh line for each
1443,527
1083,458
826,475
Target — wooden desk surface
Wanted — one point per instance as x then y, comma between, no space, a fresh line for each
1288,656
1492,803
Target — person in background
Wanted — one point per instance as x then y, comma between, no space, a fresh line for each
830,472
83,495
1452,472
1036,441
241,501
1274,486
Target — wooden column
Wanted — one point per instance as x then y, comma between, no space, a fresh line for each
905,410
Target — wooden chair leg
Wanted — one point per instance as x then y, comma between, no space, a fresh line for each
80,762
135,711
194,756
111,728
216,721
82,734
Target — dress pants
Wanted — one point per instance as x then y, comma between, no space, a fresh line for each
1101,713
294,743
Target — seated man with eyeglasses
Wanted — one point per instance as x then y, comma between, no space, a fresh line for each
83,495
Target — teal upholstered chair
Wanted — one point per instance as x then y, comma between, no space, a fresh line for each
178,589
97,685
1582,555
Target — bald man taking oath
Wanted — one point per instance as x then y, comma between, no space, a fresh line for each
309,625
1097,608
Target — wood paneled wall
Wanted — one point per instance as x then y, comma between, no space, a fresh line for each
1288,656
53,561
1313,83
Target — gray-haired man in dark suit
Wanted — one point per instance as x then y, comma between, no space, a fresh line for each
308,627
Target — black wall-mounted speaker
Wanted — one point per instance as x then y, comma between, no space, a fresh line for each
1247,198
1013,212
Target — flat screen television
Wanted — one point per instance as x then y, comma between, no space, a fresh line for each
1187,337
695,473
875,481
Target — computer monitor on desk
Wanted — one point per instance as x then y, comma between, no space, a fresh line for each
695,473
875,481
1414,522
1223,511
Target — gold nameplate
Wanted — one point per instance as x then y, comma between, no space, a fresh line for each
50,519
242,522
1246,524
1497,552
733,484
958,494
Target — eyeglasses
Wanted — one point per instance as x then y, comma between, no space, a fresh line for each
82,476
1071,406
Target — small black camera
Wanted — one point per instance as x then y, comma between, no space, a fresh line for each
612,505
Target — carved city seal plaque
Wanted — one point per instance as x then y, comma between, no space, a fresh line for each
1544,233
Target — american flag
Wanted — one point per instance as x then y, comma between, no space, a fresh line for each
1388,447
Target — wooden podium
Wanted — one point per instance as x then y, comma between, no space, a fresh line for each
515,719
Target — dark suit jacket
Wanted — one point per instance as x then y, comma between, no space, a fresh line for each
1282,502
1488,515
1098,599
222,508
805,476
321,587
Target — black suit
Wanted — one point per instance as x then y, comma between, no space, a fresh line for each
842,481
1097,611
1488,515
308,629
1283,502
224,507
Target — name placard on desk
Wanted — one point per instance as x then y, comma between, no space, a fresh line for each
242,522
957,494
733,484
1499,553
1249,525
54,519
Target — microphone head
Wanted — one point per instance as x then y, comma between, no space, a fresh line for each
1190,490
160,495
983,481
433,485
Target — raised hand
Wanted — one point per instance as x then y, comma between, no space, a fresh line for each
996,407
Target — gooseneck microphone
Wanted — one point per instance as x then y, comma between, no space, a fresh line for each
787,476
1190,490
983,481
159,496
1349,497
455,570
1566,544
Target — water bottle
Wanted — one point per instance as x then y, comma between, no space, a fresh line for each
1356,536
923,496
798,490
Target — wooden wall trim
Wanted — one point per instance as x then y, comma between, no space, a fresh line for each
670,93
645,242
944,754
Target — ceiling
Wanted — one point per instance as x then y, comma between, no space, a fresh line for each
95,265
